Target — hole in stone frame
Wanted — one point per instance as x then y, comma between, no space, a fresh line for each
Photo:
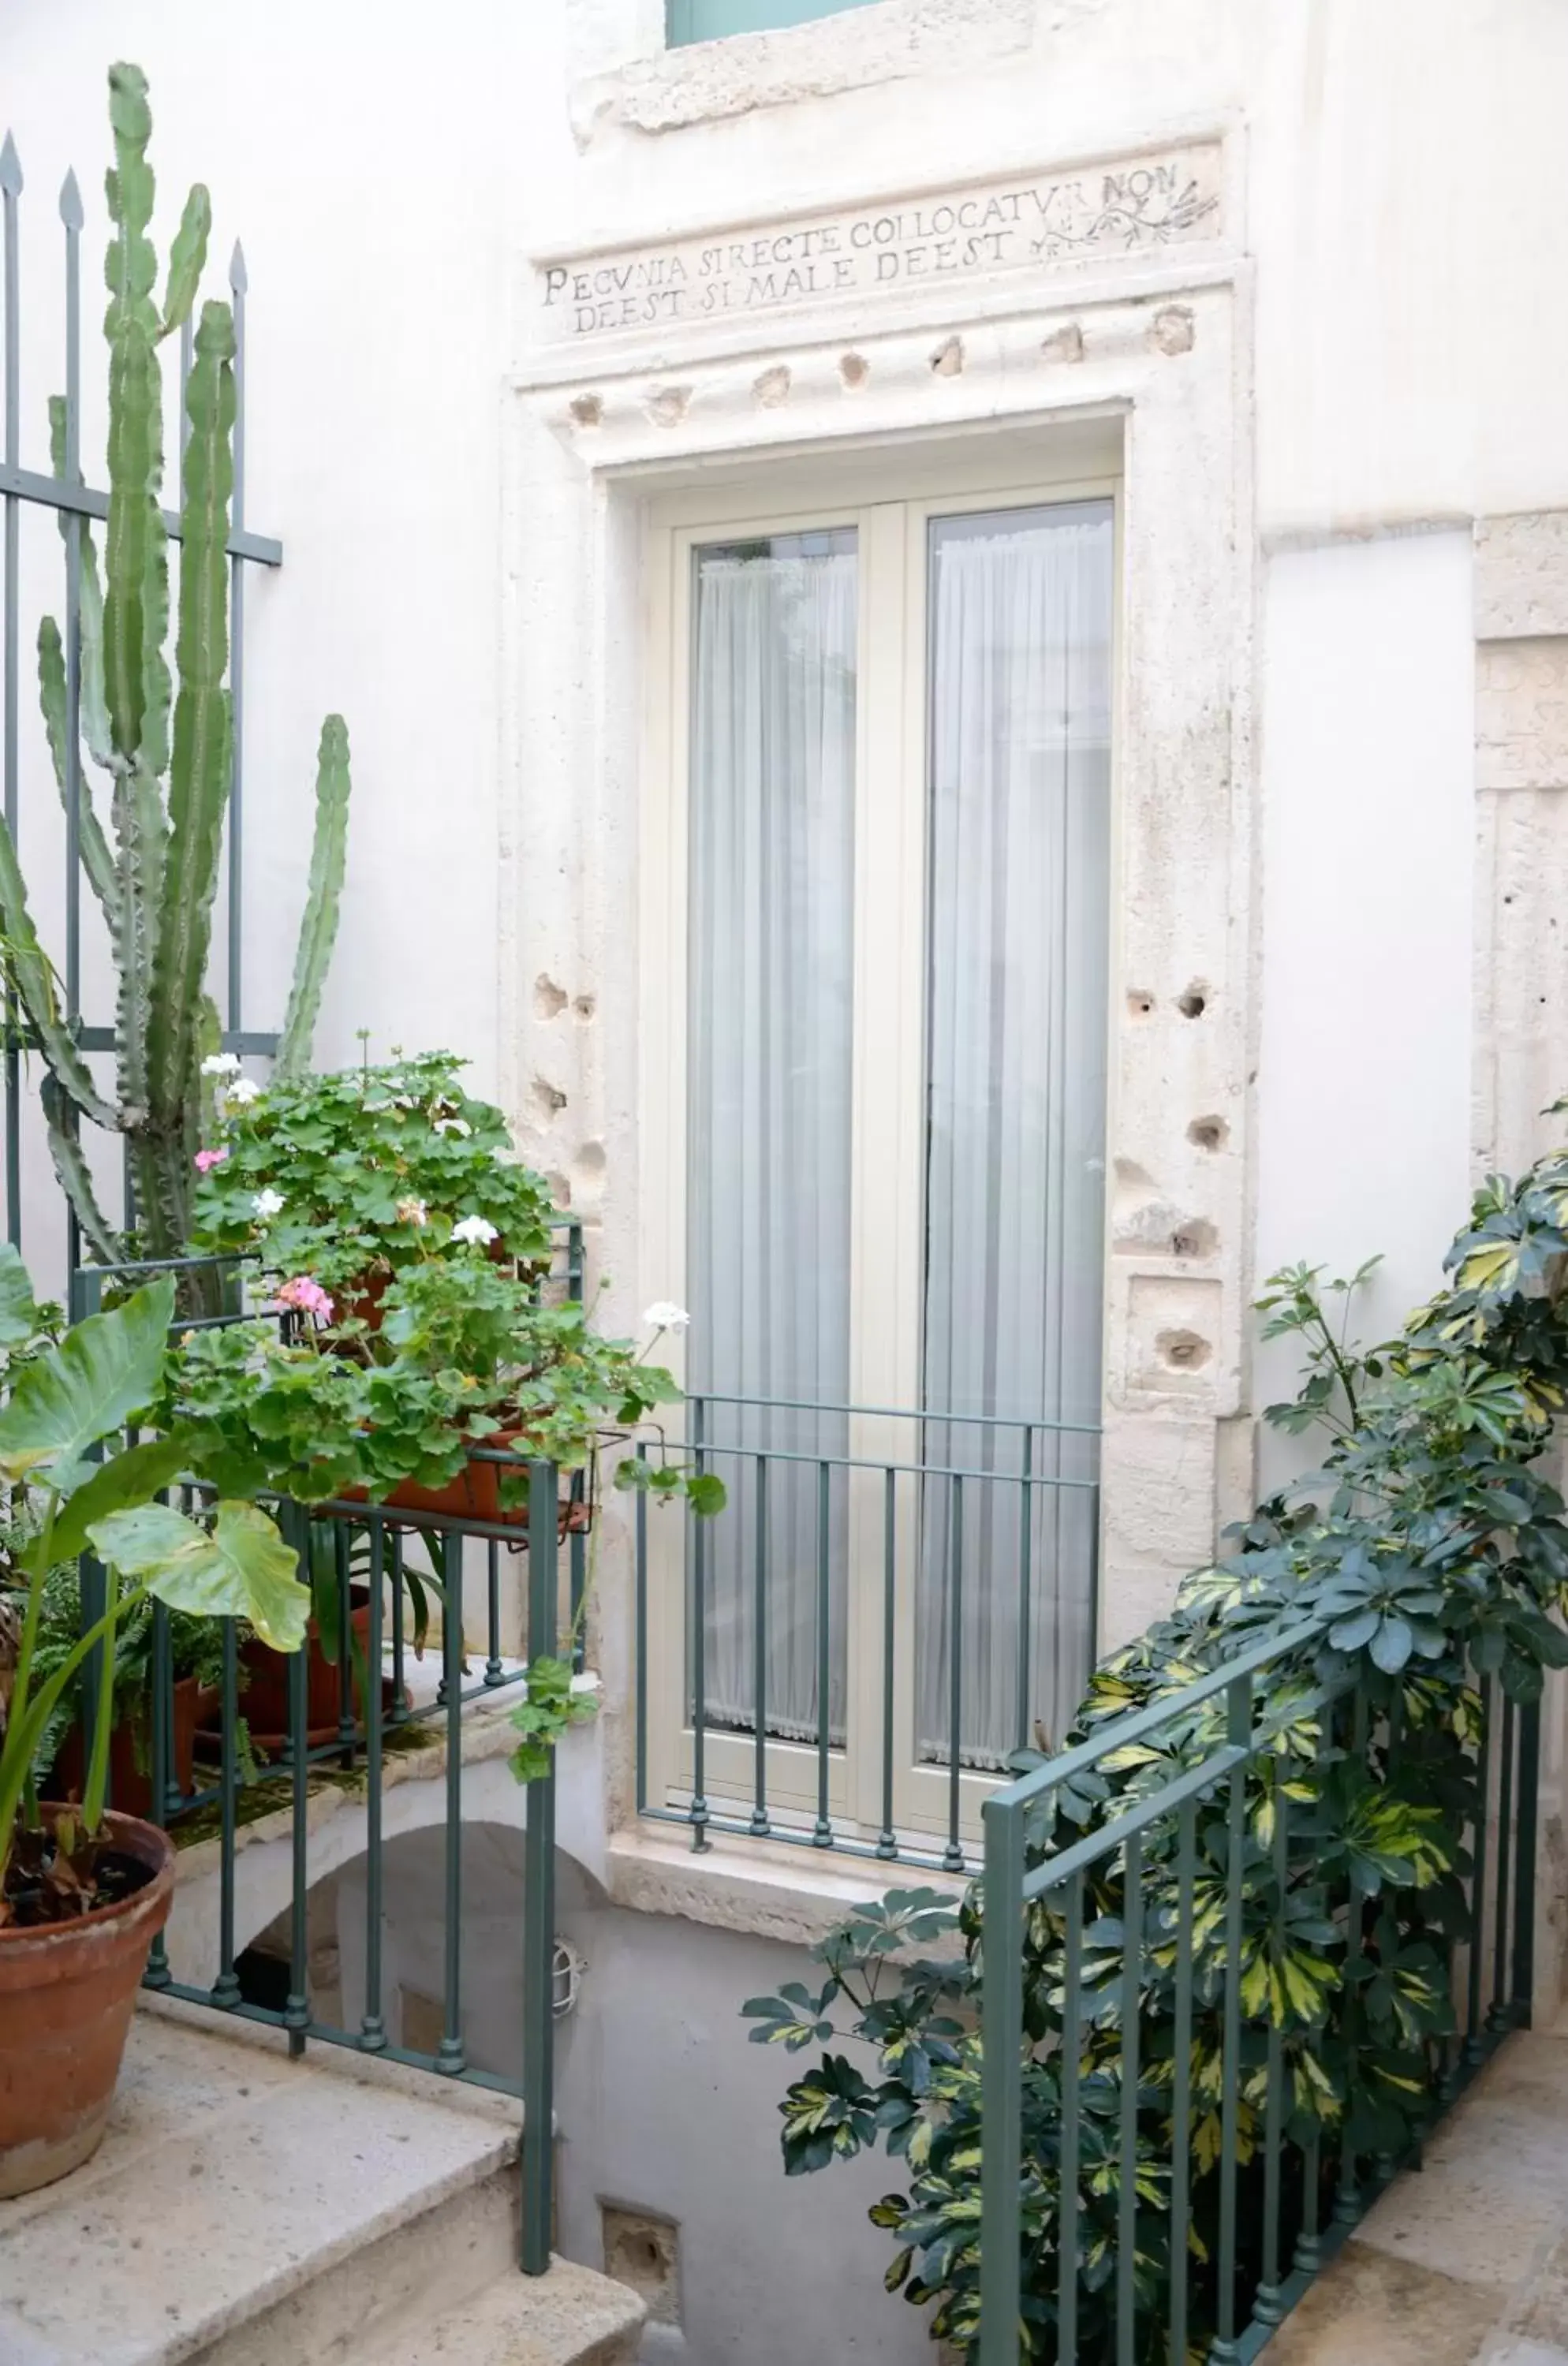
1193,1003
1140,1004
1208,1133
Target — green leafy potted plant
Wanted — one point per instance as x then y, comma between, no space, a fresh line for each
406,1251
84,1891
195,1666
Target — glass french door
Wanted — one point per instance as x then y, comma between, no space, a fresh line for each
882,910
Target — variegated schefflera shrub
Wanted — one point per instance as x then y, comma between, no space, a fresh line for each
167,759
1431,1550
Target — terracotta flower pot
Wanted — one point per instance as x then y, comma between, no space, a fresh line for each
130,1785
474,1494
264,1703
66,1994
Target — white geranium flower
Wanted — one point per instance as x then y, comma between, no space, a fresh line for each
453,1125
243,1092
268,1203
413,1212
476,1229
220,1063
664,1316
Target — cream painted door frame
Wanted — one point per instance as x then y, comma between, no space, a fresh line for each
887,1164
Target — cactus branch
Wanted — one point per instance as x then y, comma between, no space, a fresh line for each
318,927
30,972
96,860
76,1181
202,759
187,257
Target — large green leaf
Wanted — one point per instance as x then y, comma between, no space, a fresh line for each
132,1478
103,1372
241,1568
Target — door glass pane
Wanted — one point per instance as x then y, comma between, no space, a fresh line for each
770,1081
1019,823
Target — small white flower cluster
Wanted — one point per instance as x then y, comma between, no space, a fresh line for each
232,1090
266,1204
664,1316
475,1231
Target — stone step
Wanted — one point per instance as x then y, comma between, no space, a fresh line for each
247,2210
569,2317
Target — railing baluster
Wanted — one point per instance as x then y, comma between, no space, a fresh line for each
1025,1582
339,1544
10,190
449,2052
1269,2308
1525,1865
1238,1723
538,1901
699,1812
953,1855
399,1701
1347,2194
237,284
1000,2098
1072,2067
888,1839
297,2010
822,1831
758,1824
225,1991
1499,2017
158,1783
494,1672
1181,2082
373,2024
639,1525
1474,2034
1127,2152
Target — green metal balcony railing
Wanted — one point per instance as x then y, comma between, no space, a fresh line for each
1091,2157
891,1601
378,1553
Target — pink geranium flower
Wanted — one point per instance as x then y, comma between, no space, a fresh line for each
208,1159
305,1297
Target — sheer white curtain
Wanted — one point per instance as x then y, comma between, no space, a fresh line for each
770,1084
1018,952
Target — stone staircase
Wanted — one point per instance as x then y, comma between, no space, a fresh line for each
247,2210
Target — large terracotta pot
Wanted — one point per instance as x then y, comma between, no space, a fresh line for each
66,1996
130,1785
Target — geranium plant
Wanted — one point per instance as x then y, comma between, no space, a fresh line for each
66,1404
342,1181
407,1256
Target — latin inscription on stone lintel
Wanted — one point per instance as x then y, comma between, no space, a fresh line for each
1035,225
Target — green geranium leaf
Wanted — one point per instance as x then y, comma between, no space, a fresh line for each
105,1370
240,1568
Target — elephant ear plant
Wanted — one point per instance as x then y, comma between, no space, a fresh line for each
154,873
65,1406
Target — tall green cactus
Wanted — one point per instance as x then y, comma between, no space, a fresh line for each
154,872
